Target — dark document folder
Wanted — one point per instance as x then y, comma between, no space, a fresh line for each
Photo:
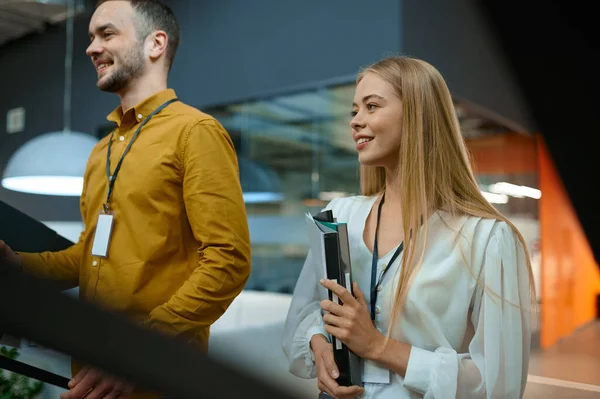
25,234
331,256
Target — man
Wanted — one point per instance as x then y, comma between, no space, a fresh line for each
166,240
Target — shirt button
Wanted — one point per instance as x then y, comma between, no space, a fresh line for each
379,288
383,265
95,263
377,309
121,138
140,116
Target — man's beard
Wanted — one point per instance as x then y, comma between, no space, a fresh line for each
129,67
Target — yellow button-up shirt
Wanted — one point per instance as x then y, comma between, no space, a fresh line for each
179,251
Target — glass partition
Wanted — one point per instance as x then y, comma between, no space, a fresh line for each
296,154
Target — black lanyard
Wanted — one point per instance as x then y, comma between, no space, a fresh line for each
374,282
113,178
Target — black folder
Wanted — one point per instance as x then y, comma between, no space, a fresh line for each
24,234
330,242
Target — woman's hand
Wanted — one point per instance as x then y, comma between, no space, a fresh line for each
327,371
351,322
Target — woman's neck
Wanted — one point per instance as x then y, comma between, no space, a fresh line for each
392,189
393,200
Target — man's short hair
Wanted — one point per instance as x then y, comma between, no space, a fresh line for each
155,15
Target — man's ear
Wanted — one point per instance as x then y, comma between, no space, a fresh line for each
158,44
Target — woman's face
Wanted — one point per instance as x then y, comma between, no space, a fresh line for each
376,122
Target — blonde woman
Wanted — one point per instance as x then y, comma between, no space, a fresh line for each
443,283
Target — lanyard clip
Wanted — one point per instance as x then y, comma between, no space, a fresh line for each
105,206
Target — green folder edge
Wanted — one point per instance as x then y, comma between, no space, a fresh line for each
333,226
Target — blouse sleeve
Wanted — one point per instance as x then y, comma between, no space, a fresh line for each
497,361
304,320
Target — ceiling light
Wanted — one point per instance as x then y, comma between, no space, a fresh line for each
495,198
515,191
50,164
53,163
262,198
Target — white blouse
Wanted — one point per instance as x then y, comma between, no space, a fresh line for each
464,343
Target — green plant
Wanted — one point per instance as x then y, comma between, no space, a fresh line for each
15,386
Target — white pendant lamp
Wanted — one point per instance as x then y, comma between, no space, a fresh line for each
53,163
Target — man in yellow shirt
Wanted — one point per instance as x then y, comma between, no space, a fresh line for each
166,238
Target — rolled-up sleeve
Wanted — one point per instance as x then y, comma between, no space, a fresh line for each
497,361
216,212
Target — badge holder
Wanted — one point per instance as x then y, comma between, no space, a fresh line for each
103,232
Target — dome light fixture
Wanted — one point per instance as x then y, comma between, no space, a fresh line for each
53,163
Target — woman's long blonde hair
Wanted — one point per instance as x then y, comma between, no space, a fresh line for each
434,169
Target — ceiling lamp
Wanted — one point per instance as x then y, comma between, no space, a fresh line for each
53,163
495,198
515,190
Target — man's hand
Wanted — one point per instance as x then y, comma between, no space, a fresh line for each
8,257
92,383
327,371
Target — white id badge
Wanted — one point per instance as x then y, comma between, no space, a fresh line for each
375,374
102,235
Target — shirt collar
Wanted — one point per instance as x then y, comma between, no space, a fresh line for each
137,113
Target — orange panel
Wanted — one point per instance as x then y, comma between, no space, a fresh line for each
570,275
510,153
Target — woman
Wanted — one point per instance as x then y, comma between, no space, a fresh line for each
448,314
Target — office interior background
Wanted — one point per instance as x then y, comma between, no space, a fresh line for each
280,77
